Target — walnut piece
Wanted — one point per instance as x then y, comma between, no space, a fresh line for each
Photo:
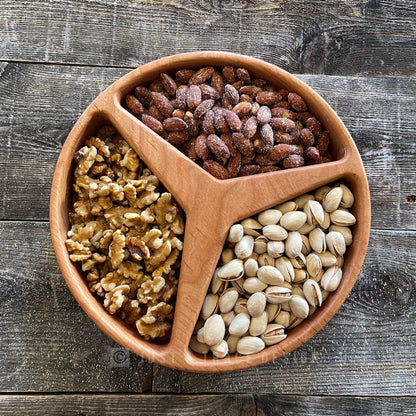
127,232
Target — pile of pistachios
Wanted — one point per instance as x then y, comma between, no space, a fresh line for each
275,270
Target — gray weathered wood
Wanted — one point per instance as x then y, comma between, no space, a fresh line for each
366,349
127,404
357,37
47,342
273,405
41,104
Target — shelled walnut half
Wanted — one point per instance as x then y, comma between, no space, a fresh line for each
127,232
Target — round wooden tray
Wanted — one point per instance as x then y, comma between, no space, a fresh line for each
211,207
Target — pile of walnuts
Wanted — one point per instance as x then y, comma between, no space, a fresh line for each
126,231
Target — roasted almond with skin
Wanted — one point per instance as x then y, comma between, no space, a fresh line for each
162,103
215,169
134,105
184,75
168,83
282,124
202,108
201,75
208,92
268,97
152,123
144,95
244,145
297,102
201,147
174,124
194,97
218,148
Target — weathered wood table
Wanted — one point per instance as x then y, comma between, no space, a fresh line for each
56,56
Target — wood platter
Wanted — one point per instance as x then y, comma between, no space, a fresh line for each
211,207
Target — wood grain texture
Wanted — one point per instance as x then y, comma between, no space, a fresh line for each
366,349
127,404
32,135
372,37
274,405
47,342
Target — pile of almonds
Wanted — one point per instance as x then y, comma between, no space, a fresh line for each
230,123
276,269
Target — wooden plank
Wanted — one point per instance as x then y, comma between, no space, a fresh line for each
344,38
367,349
127,404
289,405
48,343
32,136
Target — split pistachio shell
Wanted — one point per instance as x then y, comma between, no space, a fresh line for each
256,304
239,285
313,264
218,285
277,294
327,221
285,267
300,201
227,255
240,324
258,324
200,336
314,212
251,227
241,306
332,199
306,245
297,290
270,275
306,228
283,318
250,267
275,248
236,233
227,318
214,330
198,347
250,345
293,245
294,321
244,247
228,299
287,207
220,350
273,334
345,231
299,261
293,220
321,192
232,270
300,275
328,259
335,243
274,232
210,306
312,292
260,244
272,310
253,285
232,341
331,279
343,218
317,240
347,200
299,306
269,217
265,260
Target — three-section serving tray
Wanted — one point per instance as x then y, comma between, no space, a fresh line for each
211,207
